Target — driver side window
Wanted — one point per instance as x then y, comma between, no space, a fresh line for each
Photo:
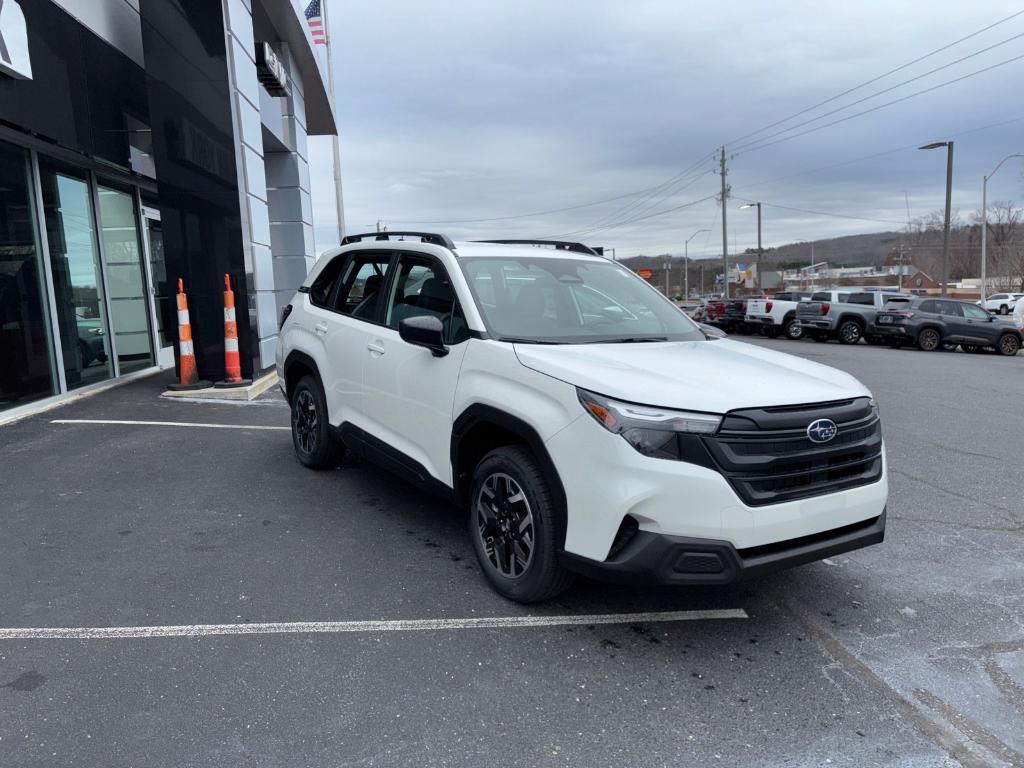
421,287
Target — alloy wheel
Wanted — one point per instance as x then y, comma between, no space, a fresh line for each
1009,345
505,525
305,421
850,333
928,340
794,330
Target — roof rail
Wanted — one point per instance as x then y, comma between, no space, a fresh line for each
560,245
426,237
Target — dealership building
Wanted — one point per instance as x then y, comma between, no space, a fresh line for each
143,141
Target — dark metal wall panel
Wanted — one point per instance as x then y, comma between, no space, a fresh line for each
81,89
190,110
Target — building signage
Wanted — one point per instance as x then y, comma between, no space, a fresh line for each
14,58
270,71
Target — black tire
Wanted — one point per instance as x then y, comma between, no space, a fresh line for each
850,332
1003,309
1008,344
792,330
311,436
928,340
501,535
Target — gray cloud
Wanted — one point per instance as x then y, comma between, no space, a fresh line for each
455,111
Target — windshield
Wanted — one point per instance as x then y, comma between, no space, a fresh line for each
571,301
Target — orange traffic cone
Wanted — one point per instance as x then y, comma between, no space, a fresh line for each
188,374
232,362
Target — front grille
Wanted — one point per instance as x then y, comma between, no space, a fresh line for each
766,456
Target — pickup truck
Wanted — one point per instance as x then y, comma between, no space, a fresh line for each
776,315
843,315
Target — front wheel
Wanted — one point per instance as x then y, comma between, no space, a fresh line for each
513,523
1008,344
311,436
793,330
1003,309
850,332
928,340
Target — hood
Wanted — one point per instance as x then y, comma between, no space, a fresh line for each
712,376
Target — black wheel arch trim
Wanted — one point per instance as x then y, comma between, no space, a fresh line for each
479,413
302,358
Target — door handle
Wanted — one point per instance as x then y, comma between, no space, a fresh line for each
376,348
321,329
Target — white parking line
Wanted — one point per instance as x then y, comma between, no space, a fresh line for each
327,627
164,424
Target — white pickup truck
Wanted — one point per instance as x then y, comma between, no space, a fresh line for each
776,315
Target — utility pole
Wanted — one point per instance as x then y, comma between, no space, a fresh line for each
725,231
949,201
984,222
668,267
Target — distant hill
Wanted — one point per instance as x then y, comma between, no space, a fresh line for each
848,251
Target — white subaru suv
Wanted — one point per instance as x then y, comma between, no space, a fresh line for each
583,421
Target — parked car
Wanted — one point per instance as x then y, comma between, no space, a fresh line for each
733,316
842,315
572,436
776,315
931,323
1003,303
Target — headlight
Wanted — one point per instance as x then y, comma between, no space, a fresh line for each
656,432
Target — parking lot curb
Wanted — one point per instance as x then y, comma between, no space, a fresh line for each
250,392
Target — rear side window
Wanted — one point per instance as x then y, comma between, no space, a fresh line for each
948,308
928,306
867,299
896,302
822,296
321,289
843,297
362,291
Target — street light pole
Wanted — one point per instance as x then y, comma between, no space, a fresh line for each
751,205
949,201
984,222
686,257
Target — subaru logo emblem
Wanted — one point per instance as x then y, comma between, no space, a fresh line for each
822,430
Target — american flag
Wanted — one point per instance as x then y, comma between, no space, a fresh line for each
315,19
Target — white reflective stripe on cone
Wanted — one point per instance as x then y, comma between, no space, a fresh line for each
183,317
230,345
186,348
229,314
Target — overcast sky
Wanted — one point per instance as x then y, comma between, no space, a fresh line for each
454,111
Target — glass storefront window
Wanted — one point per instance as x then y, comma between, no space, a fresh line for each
126,280
75,263
25,367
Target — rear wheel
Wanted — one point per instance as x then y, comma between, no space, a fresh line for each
792,329
928,340
1008,344
1003,309
850,332
512,524
311,436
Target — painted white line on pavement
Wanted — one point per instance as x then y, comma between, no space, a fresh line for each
399,625
164,424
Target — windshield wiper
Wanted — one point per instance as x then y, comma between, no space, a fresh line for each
628,340
518,340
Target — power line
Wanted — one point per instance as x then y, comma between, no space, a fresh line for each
826,213
646,191
877,78
689,204
878,93
875,155
882,106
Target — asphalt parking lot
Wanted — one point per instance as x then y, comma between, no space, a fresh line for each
910,653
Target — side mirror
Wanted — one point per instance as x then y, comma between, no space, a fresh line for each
424,331
991,318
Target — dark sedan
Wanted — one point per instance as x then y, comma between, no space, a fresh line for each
933,323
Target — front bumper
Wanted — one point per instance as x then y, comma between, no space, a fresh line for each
658,558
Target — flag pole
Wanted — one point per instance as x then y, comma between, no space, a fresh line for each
339,203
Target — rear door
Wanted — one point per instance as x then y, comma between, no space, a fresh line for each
357,308
957,329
